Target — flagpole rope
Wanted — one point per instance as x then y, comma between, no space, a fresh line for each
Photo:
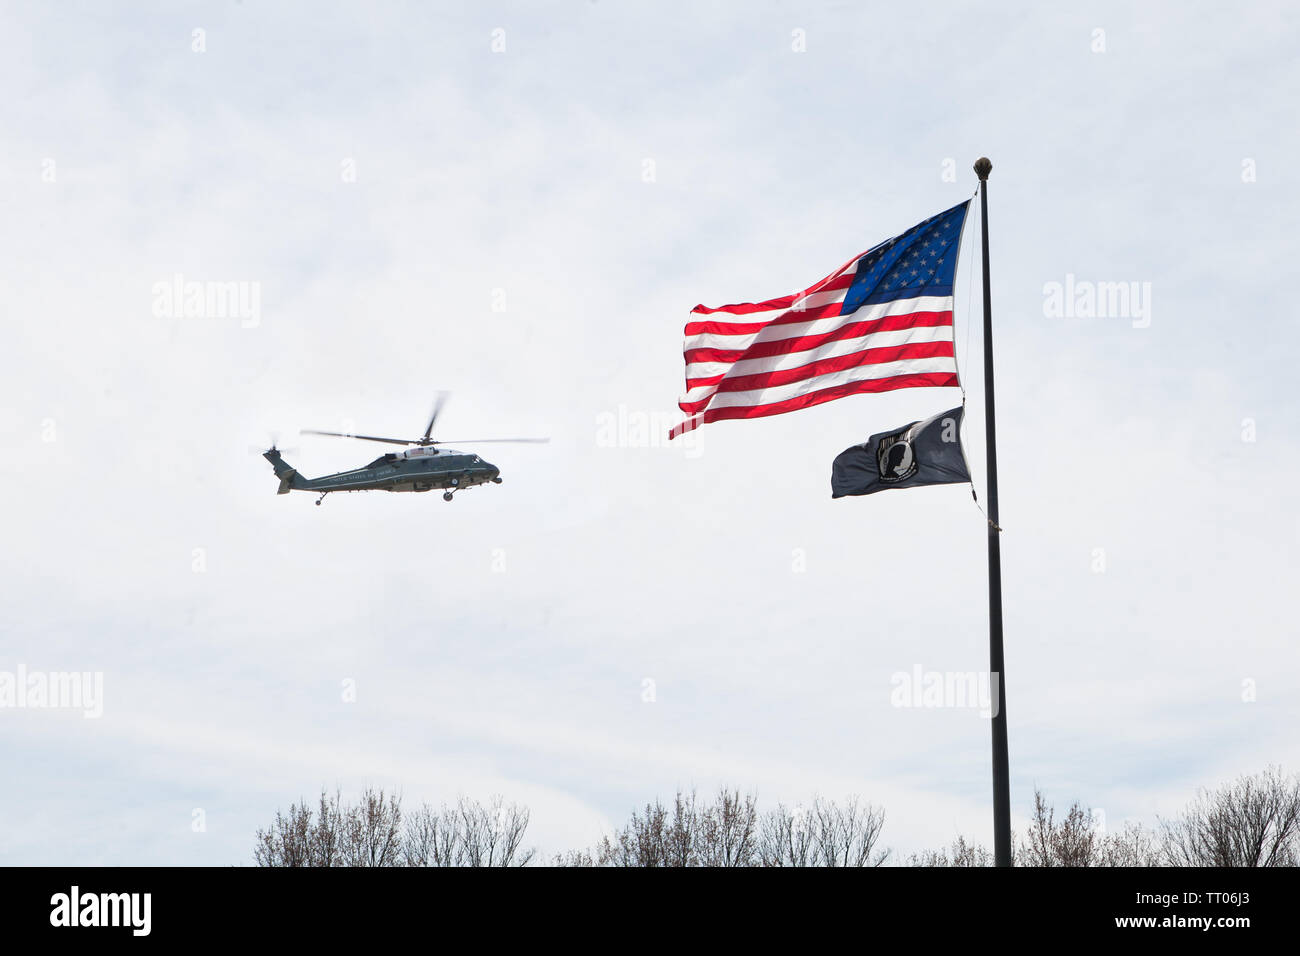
965,316
970,283
979,507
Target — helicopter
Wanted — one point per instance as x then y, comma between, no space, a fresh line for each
421,466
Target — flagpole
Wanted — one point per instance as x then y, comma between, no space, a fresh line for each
1001,774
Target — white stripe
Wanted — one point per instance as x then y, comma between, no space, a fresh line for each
859,373
832,349
815,300
810,301
793,330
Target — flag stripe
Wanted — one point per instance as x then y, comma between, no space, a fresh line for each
836,281
790,325
814,381
706,373
805,343
837,363
880,322
809,399
808,307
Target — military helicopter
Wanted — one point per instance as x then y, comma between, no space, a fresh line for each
422,466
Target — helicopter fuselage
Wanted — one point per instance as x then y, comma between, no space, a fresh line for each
441,470
416,469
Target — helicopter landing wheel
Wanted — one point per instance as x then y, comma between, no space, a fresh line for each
446,496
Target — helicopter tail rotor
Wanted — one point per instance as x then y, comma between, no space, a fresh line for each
274,439
288,475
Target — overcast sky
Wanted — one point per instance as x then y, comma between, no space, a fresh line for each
525,218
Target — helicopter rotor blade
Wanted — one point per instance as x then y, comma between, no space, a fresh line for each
387,441
437,407
480,441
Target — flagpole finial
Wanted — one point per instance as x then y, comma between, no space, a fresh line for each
983,167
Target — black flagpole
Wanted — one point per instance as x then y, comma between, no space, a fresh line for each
1001,775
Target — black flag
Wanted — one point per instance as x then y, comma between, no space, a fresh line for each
922,453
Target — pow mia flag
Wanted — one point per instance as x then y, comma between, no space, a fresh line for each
922,453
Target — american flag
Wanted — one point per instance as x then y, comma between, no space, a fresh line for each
882,321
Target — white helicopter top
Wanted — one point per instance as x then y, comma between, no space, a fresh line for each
424,451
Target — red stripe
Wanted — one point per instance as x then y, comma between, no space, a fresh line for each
809,399
851,330
723,328
838,363
868,356
834,281
827,311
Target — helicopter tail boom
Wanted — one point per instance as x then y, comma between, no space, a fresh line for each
289,477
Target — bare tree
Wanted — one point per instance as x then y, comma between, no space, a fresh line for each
371,831
690,834
680,837
823,834
431,838
786,839
653,839
1253,821
493,835
846,835
1071,842
1135,845
375,832
574,858
1074,841
729,831
287,841
1051,841
300,838
960,853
